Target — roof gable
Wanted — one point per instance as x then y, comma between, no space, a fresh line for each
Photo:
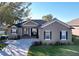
29,22
55,20
35,22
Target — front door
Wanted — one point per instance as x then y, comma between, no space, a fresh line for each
34,32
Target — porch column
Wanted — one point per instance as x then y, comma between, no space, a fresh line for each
30,31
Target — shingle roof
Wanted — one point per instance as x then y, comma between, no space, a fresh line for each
39,21
74,22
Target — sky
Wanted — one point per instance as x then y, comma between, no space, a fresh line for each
64,11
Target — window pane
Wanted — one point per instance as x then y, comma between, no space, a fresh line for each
34,30
63,35
47,35
14,31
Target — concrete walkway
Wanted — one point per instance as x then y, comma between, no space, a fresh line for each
17,47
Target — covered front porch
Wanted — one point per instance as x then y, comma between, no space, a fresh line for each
30,32
29,29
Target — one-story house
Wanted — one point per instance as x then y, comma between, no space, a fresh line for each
2,29
51,32
75,24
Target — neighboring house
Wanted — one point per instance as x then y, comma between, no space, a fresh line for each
75,24
2,30
50,32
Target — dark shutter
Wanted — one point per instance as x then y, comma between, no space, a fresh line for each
16,31
44,34
31,32
11,30
37,33
50,35
60,35
66,35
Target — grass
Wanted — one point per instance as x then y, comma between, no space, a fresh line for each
71,50
53,50
3,35
2,43
2,46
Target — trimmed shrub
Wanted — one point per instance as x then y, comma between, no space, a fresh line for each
60,43
57,43
37,43
3,38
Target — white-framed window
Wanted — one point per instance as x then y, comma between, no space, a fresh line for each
34,31
63,35
14,30
47,35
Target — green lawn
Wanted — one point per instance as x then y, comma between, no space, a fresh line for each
2,46
53,50
65,50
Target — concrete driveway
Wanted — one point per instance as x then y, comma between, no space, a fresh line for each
17,47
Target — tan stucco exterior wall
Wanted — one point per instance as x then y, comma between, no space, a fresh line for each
55,28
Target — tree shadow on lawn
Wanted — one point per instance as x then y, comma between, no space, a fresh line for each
63,50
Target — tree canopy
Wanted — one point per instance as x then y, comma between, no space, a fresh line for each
13,11
47,17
